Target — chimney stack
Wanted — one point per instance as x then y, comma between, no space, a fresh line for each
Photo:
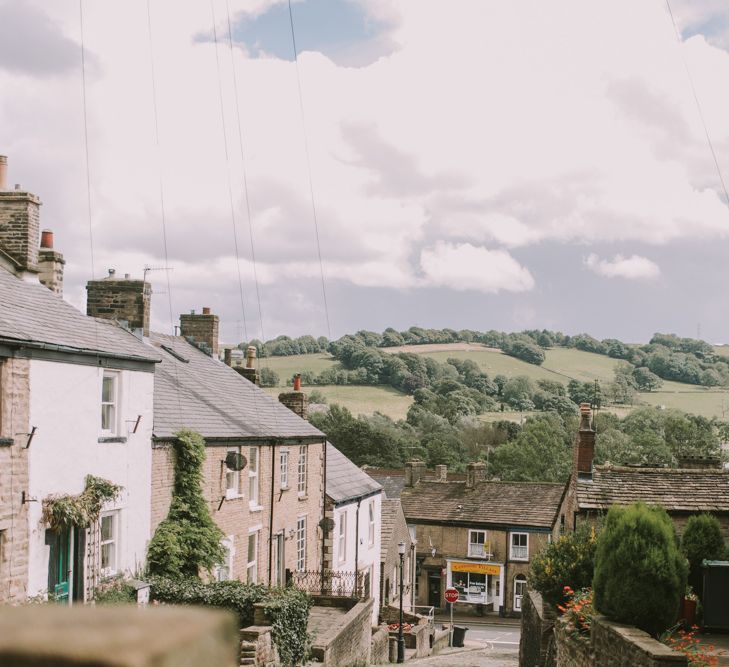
475,473
414,472
120,299
296,401
201,330
699,462
249,371
441,473
19,223
50,264
585,444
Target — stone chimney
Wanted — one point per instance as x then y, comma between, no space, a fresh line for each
19,223
50,264
414,472
249,371
475,473
201,330
441,473
124,300
699,462
585,444
296,401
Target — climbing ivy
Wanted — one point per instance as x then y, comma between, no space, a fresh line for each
188,540
288,611
82,510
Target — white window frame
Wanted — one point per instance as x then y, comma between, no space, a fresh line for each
113,426
254,460
519,579
284,468
301,543
224,571
252,565
477,549
519,551
342,538
112,569
232,478
372,525
303,470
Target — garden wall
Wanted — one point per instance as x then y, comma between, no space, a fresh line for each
537,636
348,642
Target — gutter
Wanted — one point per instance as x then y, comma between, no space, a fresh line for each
66,349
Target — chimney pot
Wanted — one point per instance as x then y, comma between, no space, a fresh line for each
111,273
251,356
206,310
17,186
127,276
228,354
297,382
3,172
47,239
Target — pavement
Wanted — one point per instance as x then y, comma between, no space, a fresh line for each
473,654
716,644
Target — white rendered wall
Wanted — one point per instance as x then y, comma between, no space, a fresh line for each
368,555
65,408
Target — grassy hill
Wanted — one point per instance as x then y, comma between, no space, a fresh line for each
561,364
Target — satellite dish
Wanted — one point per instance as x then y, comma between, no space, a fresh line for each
327,524
235,461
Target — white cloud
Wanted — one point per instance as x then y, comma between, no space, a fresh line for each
467,267
634,267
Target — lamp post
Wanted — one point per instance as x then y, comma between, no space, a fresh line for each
400,638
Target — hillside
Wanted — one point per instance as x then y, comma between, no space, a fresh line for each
562,364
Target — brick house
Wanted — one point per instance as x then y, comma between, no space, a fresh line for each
475,535
698,486
75,399
354,508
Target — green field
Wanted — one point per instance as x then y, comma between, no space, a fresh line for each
560,364
363,400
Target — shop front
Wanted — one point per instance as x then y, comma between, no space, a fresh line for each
477,582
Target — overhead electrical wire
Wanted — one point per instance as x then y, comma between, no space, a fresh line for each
698,104
86,137
308,166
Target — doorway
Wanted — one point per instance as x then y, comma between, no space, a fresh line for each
434,596
519,587
59,564
279,577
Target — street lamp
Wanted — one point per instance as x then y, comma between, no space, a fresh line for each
400,638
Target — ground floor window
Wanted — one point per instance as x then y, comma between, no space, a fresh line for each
224,571
471,586
476,582
109,543
252,567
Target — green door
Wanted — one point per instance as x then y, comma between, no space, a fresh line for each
59,564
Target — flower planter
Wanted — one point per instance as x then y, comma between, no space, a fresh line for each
688,611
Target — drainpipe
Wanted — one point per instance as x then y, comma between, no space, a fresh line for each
270,521
356,544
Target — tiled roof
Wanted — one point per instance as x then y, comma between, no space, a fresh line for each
391,512
195,391
345,481
489,503
392,480
31,313
680,490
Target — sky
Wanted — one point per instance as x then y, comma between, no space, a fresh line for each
465,164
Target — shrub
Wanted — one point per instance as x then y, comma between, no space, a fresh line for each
286,608
640,574
188,539
564,565
578,612
115,591
702,539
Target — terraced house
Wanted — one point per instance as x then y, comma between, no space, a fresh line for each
476,536
75,413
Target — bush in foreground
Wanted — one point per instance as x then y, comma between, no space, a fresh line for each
640,574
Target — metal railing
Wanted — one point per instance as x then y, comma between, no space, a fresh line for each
330,582
427,612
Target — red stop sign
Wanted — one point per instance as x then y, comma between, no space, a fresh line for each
451,595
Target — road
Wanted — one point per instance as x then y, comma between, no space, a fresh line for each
495,636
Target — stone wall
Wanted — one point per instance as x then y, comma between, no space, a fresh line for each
14,522
20,227
537,636
257,647
348,644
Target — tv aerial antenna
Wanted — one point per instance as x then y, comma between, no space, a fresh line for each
148,268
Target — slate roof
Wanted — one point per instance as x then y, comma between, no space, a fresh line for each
31,314
345,481
675,489
391,511
193,390
392,480
489,503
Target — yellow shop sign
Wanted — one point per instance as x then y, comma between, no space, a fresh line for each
476,568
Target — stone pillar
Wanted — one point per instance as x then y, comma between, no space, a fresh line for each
201,330
124,300
50,264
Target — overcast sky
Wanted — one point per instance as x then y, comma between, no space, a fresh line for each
479,164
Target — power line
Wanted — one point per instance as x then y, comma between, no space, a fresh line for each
698,104
86,136
308,165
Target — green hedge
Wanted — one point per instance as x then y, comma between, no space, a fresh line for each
286,608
